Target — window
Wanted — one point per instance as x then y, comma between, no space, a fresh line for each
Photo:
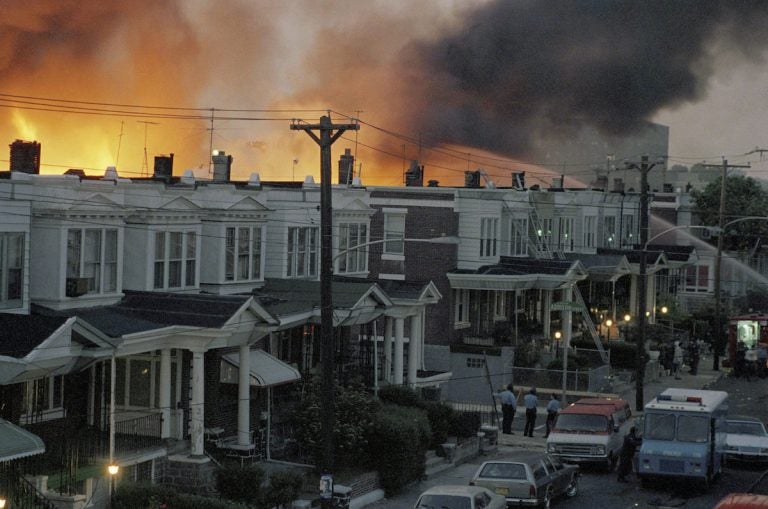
175,259
352,258
499,304
92,255
565,239
628,230
394,233
488,236
693,428
137,380
302,252
243,253
590,231
697,278
475,362
659,427
519,237
545,234
11,269
43,399
461,314
609,231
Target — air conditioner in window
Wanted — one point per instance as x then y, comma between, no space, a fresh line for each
76,286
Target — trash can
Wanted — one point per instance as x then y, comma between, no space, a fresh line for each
342,496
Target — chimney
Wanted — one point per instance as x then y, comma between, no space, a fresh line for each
472,179
346,167
618,185
433,183
518,180
557,183
163,169
25,157
414,176
222,166
601,182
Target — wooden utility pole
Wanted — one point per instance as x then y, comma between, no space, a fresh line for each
328,134
719,343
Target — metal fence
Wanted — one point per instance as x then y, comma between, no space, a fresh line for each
585,380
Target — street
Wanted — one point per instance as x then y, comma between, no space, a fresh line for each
601,489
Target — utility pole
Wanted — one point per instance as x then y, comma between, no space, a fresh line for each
644,168
328,134
719,343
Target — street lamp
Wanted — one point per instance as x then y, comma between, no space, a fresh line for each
2,502
558,335
113,470
627,318
608,324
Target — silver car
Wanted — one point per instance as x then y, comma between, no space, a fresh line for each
459,497
529,479
746,439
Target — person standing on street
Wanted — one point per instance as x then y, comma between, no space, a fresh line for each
677,360
508,408
553,407
631,443
531,402
695,355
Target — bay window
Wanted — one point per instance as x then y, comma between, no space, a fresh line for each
92,257
302,252
352,257
243,253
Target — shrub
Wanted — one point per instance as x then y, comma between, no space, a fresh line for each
397,445
400,395
623,356
150,496
464,424
284,487
440,418
240,484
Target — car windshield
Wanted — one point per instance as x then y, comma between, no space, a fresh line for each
503,471
581,422
693,428
444,502
659,427
745,428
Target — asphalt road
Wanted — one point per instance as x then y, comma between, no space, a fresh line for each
601,490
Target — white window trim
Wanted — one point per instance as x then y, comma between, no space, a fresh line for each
489,237
590,231
461,307
47,414
392,237
103,262
345,254
5,301
310,270
518,249
166,261
252,229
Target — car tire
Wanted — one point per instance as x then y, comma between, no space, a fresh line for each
573,487
547,502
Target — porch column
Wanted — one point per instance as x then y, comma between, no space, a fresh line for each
165,392
387,368
196,414
547,313
397,377
414,346
244,397
566,317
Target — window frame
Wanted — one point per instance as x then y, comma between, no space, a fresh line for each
461,308
518,237
489,237
351,257
302,252
104,266
565,234
53,405
590,231
6,281
238,254
394,233
609,231
181,257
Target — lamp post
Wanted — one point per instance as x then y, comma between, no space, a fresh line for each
608,324
627,318
113,470
558,335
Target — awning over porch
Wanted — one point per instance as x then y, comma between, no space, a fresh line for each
16,442
266,370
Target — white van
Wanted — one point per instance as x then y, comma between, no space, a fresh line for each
591,430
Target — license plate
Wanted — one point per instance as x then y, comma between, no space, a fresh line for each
501,491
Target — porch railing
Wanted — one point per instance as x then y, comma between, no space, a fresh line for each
20,493
139,433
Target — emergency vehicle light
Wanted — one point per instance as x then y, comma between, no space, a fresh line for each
680,399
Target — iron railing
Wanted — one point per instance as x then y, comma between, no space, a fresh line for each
19,492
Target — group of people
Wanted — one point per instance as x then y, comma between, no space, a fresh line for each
673,357
531,403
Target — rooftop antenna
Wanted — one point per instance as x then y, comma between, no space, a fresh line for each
357,121
210,144
145,164
119,142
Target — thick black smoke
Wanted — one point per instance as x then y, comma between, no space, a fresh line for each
521,69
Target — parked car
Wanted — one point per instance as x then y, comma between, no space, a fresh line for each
529,478
743,501
746,439
460,497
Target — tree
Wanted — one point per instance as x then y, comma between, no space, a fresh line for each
744,197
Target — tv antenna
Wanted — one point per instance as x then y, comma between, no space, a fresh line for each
145,164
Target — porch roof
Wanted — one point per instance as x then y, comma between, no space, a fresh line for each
656,260
20,334
16,442
603,267
267,370
677,256
520,274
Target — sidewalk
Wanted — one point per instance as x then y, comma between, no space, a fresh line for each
705,377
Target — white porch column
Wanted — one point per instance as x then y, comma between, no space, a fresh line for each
165,392
387,368
244,397
196,413
414,347
547,313
397,377
566,317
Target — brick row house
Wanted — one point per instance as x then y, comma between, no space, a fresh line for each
165,314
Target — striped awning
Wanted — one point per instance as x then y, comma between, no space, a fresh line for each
16,442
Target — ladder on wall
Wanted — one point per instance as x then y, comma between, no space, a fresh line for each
541,249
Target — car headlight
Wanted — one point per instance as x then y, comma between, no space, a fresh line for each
551,448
